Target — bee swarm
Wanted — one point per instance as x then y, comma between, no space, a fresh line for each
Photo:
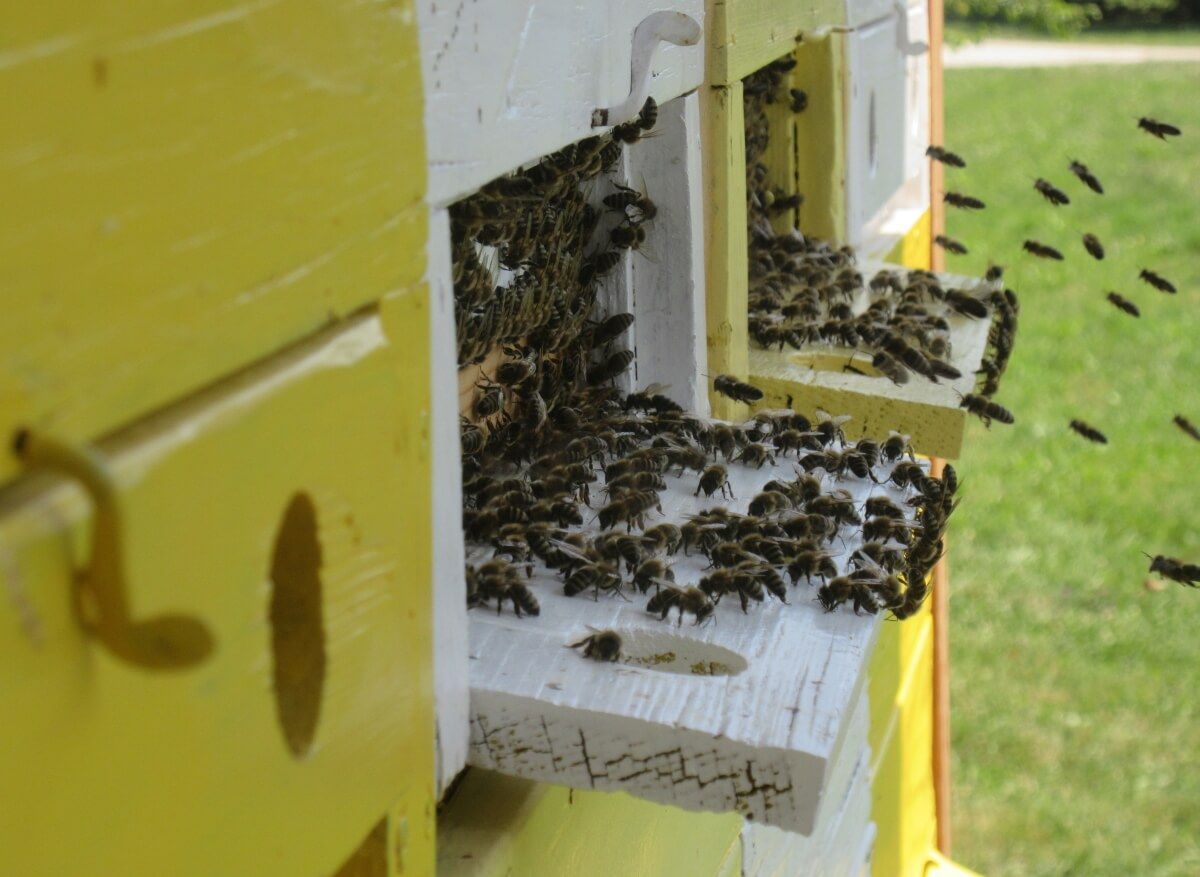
588,510
805,294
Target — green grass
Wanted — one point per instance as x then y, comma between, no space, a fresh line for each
1076,691
1173,35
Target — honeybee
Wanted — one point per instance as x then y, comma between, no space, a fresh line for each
499,580
715,478
603,645
626,198
628,236
1041,250
756,454
1092,244
489,402
882,507
600,576
811,564
896,446
889,367
595,267
611,368
1089,179
1121,303
950,245
630,507
1187,426
610,329
654,572
691,600
957,199
666,538
515,372
471,437
739,391
966,304
1050,192
1157,281
945,156
985,409
1161,130
770,502
829,428
1089,432
798,100
727,439
1176,570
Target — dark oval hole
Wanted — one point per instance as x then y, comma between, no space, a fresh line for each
297,628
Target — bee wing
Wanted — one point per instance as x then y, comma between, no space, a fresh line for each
655,389
570,550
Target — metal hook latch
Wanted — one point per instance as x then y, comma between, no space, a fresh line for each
658,27
164,642
907,48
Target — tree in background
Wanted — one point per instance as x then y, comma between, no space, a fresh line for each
1072,16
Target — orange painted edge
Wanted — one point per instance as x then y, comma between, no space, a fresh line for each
941,573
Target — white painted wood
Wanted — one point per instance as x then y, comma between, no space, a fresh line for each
667,275
836,846
449,587
509,81
887,127
666,27
763,741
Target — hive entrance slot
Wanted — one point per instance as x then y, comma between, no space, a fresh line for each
297,626
841,362
674,653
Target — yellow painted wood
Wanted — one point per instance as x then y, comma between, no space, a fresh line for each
190,185
497,825
746,35
726,254
914,249
111,769
820,134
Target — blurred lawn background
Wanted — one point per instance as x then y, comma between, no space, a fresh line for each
1076,688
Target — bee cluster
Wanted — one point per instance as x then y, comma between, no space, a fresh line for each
548,440
805,293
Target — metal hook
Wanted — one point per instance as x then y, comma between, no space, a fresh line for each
164,642
667,27
907,48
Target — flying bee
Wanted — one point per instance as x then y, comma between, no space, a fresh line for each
1042,251
1124,304
1089,432
1161,130
783,203
739,391
628,235
995,273
966,202
950,245
985,409
889,367
690,600
1092,244
1050,192
1157,281
1089,179
715,478
604,645
945,156
1187,426
627,198
1176,570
